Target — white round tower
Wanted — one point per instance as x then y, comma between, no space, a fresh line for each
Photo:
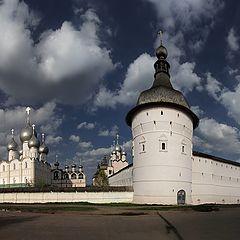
162,128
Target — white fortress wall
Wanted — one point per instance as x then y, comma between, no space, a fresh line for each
48,197
122,178
214,181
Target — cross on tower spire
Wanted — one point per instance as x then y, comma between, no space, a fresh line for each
161,36
117,137
12,131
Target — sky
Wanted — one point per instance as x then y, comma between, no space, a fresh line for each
81,65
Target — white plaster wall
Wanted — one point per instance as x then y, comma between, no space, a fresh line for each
159,175
215,182
122,178
91,197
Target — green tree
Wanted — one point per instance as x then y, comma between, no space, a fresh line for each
101,179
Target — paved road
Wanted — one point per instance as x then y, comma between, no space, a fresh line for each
224,224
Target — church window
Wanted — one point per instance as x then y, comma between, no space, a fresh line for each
3,168
14,166
147,113
110,172
161,112
26,165
180,174
56,175
154,122
3,181
65,176
73,176
163,146
80,176
221,177
14,180
178,114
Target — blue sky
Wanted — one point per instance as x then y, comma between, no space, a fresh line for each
82,64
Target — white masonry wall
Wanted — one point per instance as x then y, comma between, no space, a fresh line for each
122,178
47,197
215,182
159,174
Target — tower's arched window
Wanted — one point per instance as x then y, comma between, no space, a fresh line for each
163,146
163,143
142,146
183,146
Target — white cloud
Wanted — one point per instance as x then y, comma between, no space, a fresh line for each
219,137
233,40
106,133
53,140
213,87
74,138
85,125
85,145
69,61
197,110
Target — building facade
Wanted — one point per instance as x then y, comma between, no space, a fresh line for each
165,169
27,164
68,177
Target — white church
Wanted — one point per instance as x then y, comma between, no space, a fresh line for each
165,169
27,165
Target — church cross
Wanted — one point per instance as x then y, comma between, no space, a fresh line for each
12,131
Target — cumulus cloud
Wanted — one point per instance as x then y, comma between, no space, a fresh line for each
46,119
197,110
173,15
86,125
85,145
213,87
213,136
233,40
74,138
106,132
57,63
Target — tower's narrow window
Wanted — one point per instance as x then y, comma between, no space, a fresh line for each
163,143
142,145
163,146
183,149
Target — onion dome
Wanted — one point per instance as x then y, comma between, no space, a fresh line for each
43,148
56,164
124,153
117,146
162,92
33,142
12,145
27,132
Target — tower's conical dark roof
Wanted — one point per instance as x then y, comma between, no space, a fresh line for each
162,92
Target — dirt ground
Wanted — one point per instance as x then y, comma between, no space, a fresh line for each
118,223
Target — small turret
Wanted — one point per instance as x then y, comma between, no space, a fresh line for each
12,148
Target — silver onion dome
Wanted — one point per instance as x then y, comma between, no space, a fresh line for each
118,148
33,142
12,145
27,132
43,148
